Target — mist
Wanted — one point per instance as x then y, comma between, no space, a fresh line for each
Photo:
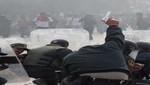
125,10
31,7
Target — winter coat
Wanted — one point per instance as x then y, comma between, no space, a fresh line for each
99,58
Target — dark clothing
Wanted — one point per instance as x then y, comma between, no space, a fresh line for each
40,73
141,24
44,61
46,56
143,56
89,23
99,58
2,81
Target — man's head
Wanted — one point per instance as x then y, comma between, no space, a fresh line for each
131,49
19,48
60,42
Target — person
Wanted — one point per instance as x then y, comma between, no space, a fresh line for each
99,64
68,20
23,25
130,53
75,21
144,58
19,48
88,23
5,24
2,67
60,20
42,21
141,21
42,62
144,52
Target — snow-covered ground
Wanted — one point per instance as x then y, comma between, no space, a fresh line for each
76,37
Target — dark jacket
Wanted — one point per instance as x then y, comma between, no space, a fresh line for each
99,58
88,21
46,56
143,56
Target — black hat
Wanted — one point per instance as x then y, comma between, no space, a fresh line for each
1,53
60,42
20,45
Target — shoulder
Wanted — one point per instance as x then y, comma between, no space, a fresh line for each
69,56
64,50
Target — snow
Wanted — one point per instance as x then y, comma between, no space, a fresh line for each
76,37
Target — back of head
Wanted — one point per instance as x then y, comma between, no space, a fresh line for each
60,42
143,46
129,46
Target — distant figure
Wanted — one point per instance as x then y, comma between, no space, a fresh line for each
60,20
141,22
4,26
19,48
68,20
23,25
148,21
42,62
43,21
88,23
75,21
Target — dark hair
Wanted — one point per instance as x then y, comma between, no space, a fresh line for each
143,45
129,46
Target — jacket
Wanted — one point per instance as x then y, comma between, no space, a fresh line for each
47,56
99,58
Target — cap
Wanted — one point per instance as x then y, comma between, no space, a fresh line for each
20,45
60,42
1,53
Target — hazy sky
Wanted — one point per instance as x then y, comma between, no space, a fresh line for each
85,6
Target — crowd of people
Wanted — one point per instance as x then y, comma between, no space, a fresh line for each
116,62
24,24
